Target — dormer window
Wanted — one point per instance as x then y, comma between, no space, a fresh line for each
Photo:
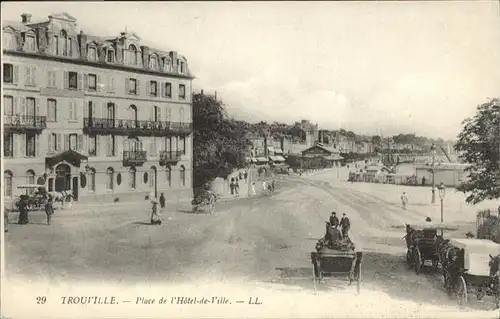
92,54
132,55
153,63
8,40
110,56
30,43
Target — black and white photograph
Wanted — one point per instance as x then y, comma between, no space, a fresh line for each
250,159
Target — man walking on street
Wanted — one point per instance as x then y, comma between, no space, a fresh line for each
49,209
162,201
404,200
345,223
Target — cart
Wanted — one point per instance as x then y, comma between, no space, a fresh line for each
34,194
422,246
330,263
473,271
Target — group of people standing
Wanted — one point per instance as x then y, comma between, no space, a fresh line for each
333,234
235,185
22,205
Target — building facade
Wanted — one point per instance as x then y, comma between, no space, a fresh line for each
105,117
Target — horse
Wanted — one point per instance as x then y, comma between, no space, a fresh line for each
205,198
449,257
412,236
494,265
61,196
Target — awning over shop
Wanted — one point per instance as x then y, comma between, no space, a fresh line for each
270,149
254,159
277,158
262,160
69,156
278,151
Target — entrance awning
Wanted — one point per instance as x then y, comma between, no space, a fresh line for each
278,151
262,160
69,156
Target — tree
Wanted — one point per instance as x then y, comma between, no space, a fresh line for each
219,143
479,145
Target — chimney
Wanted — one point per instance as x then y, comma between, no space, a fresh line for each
201,92
173,57
215,95
82,42
145,56
26,17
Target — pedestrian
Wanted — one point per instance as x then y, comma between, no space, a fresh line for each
240,175
156,218
231,186
23,210
253,192
273,185
334,220
237,188
423,181
404,200
245,175
264,185
49,209
345,223
162,201
5,220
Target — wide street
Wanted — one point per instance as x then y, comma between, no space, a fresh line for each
266,239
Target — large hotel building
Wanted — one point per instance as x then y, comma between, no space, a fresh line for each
105,117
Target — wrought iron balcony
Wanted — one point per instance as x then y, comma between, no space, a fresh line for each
170,157
134,158
23,123
135,127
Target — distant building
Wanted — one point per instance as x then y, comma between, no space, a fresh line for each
451,174
320,153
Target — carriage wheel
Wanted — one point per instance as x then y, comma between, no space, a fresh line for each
418,261
462,291
447,283
435,264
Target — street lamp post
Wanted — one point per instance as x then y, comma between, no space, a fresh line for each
442,193
433,190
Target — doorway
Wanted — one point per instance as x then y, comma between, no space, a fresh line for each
63,176
75,188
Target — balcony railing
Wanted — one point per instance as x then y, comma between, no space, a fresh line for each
139,127
135,158
24,122
167,157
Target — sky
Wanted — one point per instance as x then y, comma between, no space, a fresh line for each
369,67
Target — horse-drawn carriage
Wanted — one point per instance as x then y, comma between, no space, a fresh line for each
472,266
422,243
204,202
34,196
337,261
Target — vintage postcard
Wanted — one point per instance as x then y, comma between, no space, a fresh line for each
250,159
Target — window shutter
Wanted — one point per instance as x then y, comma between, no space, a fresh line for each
76,106
162,89
27,75
112,83
37,145
22,145
97,145
98,83
127,86
66,142
15,78
22,111
155,149
138,87
49,79
70,113
109,145
86,81
104,110
148,87
33,76
66,80
158,110
37,107
80,81
49,144
152,113
15,105
85,109
59,142
85,143
80,142
15,150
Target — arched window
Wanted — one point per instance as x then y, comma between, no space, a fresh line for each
30,179
110,173
91,179
132,178
153,62
64,43
132,144
110,55
132,51
133,113
183,176
7,182
168,175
